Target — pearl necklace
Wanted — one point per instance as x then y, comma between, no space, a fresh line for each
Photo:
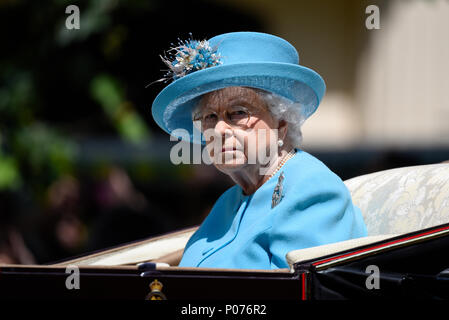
283,161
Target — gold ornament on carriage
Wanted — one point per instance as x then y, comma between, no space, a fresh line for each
156,291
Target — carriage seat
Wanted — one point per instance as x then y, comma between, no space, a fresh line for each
404,199
392,202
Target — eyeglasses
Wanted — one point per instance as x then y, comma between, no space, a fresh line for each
237,116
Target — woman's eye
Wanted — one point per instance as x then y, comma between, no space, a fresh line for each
237,114
210,117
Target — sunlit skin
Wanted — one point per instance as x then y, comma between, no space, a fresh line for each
234,155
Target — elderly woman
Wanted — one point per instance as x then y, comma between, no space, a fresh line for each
245,97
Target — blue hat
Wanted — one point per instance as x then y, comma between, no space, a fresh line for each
247,59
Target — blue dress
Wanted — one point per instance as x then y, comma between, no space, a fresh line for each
245,232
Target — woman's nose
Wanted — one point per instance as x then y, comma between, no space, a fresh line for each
222,127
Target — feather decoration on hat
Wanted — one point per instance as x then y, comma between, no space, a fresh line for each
189,56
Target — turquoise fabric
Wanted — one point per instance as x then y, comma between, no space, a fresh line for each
244,232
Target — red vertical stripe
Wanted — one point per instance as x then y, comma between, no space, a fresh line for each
303,286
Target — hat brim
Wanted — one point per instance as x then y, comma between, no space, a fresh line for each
172,108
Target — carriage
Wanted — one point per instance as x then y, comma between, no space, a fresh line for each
406,211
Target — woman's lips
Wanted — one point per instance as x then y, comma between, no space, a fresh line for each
228,149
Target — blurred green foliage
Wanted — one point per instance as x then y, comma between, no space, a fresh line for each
30,150
109,94
9,173
34,151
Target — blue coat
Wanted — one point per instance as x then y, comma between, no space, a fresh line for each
244,232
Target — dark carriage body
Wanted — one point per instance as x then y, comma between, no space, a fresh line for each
131,283
412,265
129,272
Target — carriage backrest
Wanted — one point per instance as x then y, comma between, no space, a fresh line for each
404,199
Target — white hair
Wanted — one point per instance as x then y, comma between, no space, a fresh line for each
287,110
282,109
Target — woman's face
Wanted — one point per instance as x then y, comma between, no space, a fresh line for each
238,128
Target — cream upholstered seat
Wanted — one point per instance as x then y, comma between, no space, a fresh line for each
404,199
165,249
392,202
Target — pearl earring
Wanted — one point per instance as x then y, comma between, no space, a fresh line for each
280,143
